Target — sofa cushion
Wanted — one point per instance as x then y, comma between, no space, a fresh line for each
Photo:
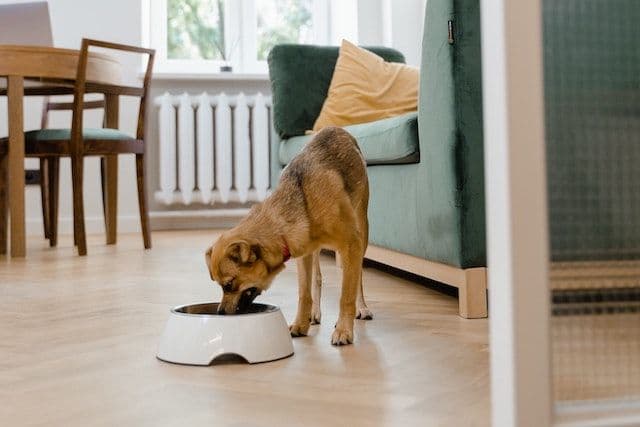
366,88
300,76
388,141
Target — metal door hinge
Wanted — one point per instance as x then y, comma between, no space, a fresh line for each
450,30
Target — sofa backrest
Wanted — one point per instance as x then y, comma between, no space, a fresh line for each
300,76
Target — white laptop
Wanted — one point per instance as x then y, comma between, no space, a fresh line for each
25,24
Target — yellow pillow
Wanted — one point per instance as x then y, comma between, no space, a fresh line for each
365,88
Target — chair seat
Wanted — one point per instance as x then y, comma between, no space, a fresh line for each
65,135
45,142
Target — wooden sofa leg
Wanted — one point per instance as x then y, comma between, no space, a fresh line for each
472,294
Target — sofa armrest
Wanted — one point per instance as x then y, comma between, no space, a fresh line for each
451,138
300,76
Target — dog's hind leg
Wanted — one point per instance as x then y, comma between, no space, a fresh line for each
351,254
362,311
351,251
300,326
316,289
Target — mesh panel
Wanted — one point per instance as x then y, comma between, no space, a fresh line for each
596,330
592,101
592,79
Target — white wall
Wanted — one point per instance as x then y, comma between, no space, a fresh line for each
71,20
407,18
395,23
371,26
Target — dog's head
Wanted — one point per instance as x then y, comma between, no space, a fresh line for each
243,268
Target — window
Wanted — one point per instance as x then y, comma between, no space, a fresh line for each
201,36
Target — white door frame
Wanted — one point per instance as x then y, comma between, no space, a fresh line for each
517,231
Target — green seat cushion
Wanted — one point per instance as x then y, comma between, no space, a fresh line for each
388,141
302,73
65,135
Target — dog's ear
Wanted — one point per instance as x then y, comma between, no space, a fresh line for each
241,252
207,256
207,259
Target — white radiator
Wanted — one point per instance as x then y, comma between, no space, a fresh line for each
213,148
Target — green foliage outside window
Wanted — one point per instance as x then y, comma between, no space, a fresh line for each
282,21
195,29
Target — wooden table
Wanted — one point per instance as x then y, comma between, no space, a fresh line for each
35,70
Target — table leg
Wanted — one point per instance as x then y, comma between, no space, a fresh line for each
110,174
4,205
15,94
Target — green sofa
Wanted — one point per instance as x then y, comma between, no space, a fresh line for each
426,209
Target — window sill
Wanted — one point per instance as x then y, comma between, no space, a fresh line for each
211,76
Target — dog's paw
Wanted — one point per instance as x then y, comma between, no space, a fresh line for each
342,336
364,313
315,315
299,329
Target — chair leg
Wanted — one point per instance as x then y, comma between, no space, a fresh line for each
4,213
142,201
109,178
44,196
54,191
104,197
78,204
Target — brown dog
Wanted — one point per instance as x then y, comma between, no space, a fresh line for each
320,202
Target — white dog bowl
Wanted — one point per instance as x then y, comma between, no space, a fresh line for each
196,335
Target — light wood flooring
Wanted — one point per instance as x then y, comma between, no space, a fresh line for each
78,337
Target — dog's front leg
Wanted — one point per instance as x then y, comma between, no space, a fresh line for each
351,274
301,325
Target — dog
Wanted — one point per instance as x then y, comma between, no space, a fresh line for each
320,202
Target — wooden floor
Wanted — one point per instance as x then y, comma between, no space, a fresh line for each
78,338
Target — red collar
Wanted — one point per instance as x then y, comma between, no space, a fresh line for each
286,254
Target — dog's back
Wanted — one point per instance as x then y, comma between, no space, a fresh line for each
332,149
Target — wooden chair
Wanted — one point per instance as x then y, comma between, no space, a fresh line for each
50,170
79,142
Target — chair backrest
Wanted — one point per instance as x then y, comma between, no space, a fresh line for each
83,86
25,24
49,105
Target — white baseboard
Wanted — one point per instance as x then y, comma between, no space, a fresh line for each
196,219
93,225
161,220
